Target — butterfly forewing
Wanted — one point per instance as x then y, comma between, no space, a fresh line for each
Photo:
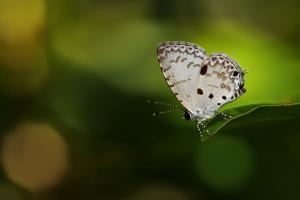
180,63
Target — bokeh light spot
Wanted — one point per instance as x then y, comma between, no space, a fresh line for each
224,163
21,20
34,156
22,54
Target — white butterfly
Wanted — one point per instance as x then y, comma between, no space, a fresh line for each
201,83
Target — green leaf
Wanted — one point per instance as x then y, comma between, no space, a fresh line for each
252,115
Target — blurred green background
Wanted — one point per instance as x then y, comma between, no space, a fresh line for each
74,79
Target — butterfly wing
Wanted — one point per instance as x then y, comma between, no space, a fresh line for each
220,81
180,64
201,83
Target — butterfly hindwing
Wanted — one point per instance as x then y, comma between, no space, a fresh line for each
220,81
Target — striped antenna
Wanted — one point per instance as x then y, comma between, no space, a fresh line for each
163,112
165,104
245,71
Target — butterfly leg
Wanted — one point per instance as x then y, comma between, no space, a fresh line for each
201,126
225,116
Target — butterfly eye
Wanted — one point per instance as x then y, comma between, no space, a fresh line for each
186,115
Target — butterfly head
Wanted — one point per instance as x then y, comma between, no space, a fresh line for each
186,115
199,116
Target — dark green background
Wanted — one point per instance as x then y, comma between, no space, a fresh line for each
86,69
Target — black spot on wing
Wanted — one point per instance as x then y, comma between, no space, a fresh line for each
203,70
199,91
242,85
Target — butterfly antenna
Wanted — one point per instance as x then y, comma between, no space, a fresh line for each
165,104
164,112
246,71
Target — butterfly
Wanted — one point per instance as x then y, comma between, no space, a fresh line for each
201,83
